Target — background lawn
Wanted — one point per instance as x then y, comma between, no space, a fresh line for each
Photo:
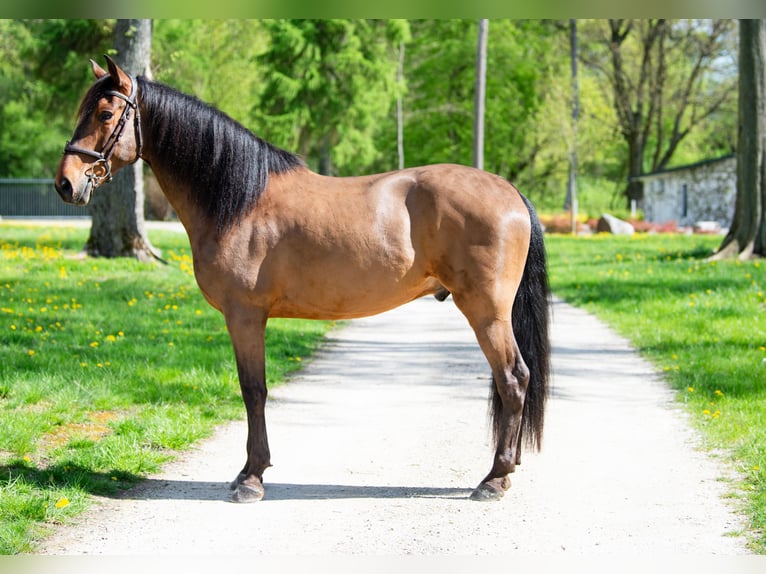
109,368
703,324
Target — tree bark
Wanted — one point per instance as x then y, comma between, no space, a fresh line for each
747,235
117,210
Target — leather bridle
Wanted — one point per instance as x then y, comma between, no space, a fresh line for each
102,165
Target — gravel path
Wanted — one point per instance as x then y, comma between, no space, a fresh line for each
378,442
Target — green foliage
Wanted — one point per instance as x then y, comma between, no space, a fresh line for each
703,324
43,73
328,84
327,89
440,72
216,60
109,368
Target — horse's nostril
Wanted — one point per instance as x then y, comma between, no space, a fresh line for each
64,188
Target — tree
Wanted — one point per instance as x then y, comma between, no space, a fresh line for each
118,228
667,78
747,235
216,60
571,197
399,109
522,63
480,94
328,85
42,78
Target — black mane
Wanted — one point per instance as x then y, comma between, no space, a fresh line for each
225,165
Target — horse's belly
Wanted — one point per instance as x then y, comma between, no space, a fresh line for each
343,300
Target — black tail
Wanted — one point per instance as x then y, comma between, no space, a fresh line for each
530,320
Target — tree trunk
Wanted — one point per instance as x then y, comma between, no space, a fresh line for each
399,113
481,84
635,188
325,159
747,235
570,203
117,210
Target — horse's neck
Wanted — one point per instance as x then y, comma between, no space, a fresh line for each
180,199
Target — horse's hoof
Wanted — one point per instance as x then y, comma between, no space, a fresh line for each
236,482
246,493
488,491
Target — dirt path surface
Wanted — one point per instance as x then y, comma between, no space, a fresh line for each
377,444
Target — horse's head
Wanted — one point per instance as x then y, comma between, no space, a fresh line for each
105,139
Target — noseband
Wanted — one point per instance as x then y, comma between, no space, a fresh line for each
101,171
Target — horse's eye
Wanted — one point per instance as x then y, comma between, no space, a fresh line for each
105,116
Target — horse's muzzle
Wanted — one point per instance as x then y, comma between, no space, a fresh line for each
67,193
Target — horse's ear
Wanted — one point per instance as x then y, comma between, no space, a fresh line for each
98,71
120,78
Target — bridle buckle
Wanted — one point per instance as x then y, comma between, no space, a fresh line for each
100,172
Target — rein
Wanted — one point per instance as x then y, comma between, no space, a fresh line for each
102,165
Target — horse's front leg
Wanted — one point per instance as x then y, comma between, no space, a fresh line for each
247,331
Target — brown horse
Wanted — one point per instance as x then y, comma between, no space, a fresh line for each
271,238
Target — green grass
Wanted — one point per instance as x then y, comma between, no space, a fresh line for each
109,368
703,324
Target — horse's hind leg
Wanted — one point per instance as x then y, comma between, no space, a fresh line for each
510,377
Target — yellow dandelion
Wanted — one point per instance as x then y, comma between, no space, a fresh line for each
718,393
31,352
111,338
690,389
706,412
94,344
63,502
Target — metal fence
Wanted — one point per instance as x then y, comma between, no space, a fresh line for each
34,198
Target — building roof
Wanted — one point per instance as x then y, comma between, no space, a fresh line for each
702,163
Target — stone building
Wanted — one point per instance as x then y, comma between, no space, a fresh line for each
690,194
